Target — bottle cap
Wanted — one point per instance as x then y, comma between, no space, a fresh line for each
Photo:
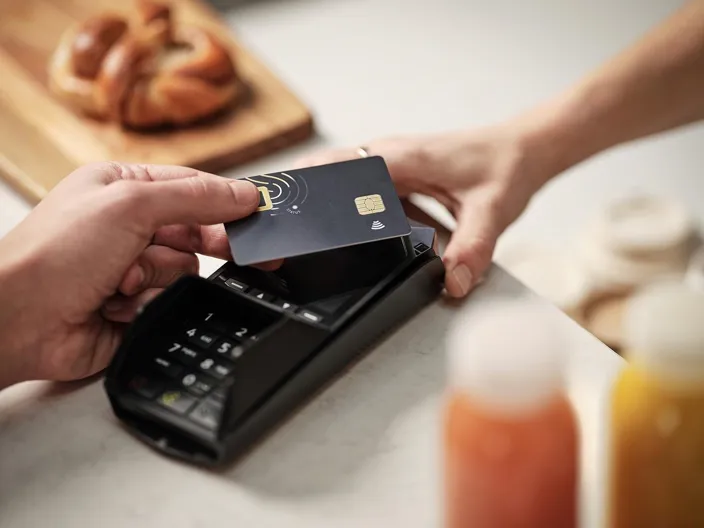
636,240
664,329
646,224
508,356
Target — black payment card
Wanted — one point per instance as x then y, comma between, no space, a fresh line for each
316,209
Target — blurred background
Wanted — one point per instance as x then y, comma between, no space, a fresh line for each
370,68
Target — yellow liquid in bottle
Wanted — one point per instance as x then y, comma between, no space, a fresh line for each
657,452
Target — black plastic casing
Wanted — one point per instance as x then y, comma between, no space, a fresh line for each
289,363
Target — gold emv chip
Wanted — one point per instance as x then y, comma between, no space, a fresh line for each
370,204
264,199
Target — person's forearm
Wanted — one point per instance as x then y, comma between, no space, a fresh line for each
656,85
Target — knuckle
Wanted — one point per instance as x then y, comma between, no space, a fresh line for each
127,197
198,186
149,270
232,194
477,251
191,263
166,275
493,206
139,172
483,248
148,172
106,172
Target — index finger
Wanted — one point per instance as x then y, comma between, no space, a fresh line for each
198,198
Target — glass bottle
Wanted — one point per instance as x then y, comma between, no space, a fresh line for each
657,413
510,434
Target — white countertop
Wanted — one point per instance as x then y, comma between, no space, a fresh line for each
364,452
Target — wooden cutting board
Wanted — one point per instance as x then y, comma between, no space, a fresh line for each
41,140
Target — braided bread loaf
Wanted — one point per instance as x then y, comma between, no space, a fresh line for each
144,73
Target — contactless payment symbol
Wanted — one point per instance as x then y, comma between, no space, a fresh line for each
264,199
281,192
370,204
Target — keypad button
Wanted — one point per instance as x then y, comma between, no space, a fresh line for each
167,367
207,365
189,356
145,387
285,305
220,394
246,325
207,414
237,352
177,400
221,370
188,380
201,338
236,285
217,369
310,316
225,347
241,331
197,384
173,348
207,317
262,296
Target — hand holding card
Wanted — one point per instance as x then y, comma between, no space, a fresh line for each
319,209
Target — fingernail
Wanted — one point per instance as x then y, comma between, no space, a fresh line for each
115,305
246,193
463,277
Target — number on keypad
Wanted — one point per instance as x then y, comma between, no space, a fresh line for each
184,376
225,347
206,364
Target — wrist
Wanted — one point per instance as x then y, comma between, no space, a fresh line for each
562,133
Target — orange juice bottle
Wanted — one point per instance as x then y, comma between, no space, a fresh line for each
510,434
657,413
